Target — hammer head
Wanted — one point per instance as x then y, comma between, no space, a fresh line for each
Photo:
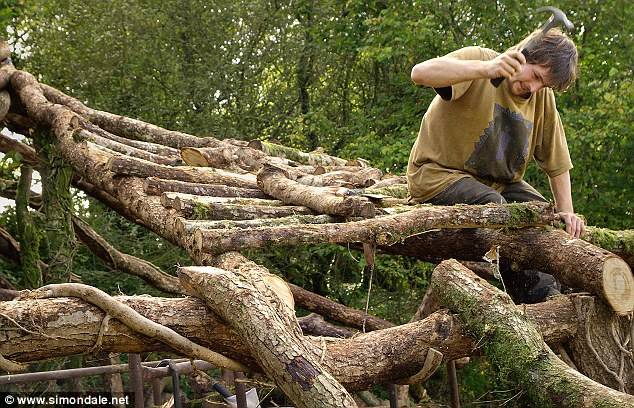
558,18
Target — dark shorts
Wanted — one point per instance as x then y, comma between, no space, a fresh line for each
468,190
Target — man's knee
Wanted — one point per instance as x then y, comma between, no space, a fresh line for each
468,191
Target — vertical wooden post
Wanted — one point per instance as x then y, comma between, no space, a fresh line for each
241,390
452,378
157,390
136,379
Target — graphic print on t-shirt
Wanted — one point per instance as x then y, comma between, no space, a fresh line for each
503,147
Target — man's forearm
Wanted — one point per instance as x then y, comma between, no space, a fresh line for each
562,192
444,71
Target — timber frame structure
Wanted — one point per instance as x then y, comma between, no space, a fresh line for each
215,198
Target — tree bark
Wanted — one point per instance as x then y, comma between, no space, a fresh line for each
315,325
384,230
224,211
574,262
278,347
514,345
184,226
28,232
9,247
29,156
5,104
274,182
141,168
157,186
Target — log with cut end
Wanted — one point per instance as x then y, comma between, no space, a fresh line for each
275,182
280,350
574,262
157,186
313,159
141,168
514,345
384,230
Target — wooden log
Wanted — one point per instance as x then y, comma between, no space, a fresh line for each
574,262
157,186
127,127
29,156
335,311
181,201
129,150
141,168
393,190
275,182
229,211
360,178
154,148
9,247
514,345
279,349
184,226
384,230
315,325
313,159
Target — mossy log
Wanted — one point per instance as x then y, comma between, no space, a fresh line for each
514,345
352,179
384,230
392,190
378,357
141,168
280,349
275,182
129,150
620,243
313,159
182,201
574,262
157,186
29,234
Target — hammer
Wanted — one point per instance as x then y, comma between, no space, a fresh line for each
558,17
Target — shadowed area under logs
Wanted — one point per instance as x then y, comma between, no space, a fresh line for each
217,198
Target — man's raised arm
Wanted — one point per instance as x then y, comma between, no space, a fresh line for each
446,71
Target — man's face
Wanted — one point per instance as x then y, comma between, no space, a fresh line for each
529,80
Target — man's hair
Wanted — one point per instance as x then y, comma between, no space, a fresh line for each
556,51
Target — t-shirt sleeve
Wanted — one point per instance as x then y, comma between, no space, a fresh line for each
551,150
453,92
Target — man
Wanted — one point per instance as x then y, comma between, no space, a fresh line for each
476,140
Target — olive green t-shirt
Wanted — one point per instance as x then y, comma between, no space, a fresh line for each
484,132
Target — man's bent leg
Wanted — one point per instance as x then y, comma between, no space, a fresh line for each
521,192
467,190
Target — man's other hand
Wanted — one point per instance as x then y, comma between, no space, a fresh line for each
574,224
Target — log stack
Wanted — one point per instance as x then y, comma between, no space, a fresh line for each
212,197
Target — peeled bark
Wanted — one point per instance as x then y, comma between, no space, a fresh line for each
157,186
514,345
141,168
274,182
278,348
384,230
574,262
